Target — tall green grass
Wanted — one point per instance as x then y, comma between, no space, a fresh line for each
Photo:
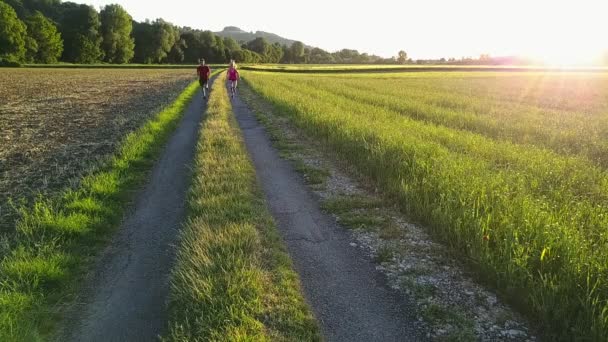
56,239
233,280
566,114
533,221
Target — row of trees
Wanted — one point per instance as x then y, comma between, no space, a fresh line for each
48,31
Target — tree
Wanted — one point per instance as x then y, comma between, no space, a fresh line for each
296,52
219,53
247,56
402,57
27,8
320,56
31,49
231,44
274,54
363,58
346,56
143,34
154,41
12,34
259,45
116,27
47,39
176,55
79,28
192,46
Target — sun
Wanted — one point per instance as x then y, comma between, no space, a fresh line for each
560,47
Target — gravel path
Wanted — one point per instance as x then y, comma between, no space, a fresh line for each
348,295
124,298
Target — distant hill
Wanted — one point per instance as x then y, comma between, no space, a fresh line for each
244,36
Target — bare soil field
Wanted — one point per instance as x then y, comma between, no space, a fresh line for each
55,124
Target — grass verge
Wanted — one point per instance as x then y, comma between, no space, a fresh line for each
233,279
56,239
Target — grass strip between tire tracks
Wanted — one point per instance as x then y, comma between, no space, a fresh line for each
56,239
233,279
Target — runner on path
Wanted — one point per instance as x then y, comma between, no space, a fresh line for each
203,71
233,77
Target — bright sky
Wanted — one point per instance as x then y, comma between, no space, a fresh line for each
558,31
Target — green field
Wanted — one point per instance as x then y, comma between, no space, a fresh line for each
508,169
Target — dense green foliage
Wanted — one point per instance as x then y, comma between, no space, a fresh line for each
116,26
509,169
233,279
80,27
153,41
12,34
270,53
55,239
48,42
203,44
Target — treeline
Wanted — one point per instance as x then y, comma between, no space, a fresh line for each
49,31
483,59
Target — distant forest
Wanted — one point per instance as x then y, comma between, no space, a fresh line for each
51,31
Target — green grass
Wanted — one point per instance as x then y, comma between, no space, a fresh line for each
463,328
508,169
346,203
313,175
360,212
56,239
233,279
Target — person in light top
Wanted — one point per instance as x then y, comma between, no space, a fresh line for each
233,77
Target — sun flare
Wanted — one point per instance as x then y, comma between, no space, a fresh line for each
562,56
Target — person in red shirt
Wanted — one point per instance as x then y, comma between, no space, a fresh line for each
204,72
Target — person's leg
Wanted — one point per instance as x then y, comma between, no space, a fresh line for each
202,84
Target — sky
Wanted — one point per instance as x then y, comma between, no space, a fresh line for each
556,31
